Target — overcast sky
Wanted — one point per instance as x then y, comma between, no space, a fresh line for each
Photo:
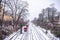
35,6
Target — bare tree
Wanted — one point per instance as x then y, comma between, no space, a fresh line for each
16,7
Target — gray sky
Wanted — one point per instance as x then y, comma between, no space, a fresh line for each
35,6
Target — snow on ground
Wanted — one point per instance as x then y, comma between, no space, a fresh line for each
49,34
33,33
41,34
12,35
52,36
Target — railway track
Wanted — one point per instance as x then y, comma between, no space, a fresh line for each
39,34
33,33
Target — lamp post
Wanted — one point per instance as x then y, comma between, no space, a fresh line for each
21,26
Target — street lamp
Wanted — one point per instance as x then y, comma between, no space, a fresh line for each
21,26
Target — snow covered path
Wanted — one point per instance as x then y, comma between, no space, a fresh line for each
38,34
33,33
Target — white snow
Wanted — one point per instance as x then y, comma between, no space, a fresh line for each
33,33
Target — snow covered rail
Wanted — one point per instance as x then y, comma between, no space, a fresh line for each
41,34
32,35
12,37
35,36
15,34
22,37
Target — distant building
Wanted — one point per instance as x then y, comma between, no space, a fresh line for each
52,15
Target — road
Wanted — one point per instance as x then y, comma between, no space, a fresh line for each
33,33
